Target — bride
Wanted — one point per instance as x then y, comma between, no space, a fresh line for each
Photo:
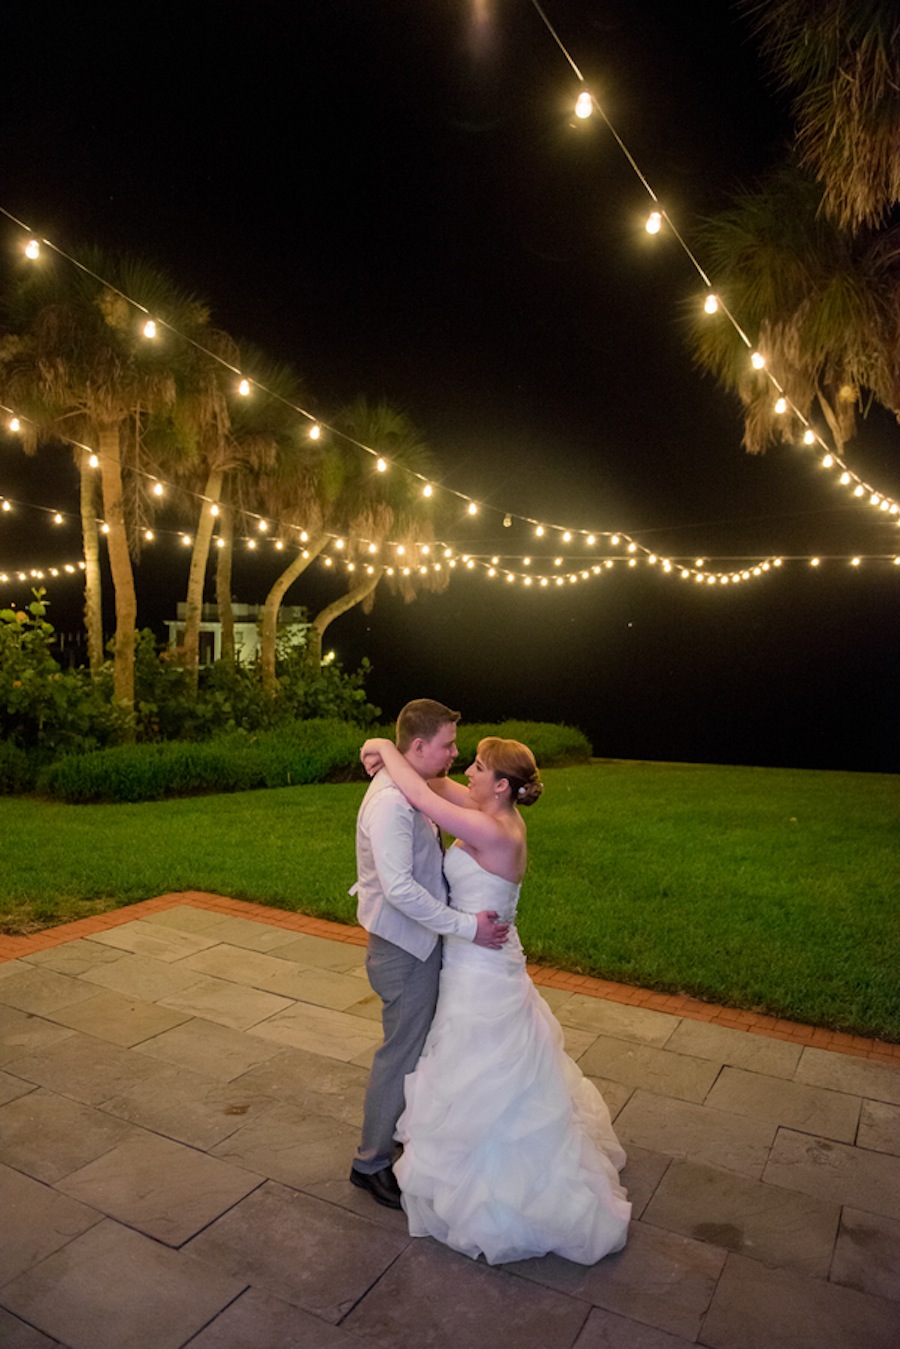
508,1151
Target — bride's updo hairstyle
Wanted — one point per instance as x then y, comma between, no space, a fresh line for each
514,761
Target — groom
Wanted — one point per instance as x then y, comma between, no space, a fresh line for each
402,904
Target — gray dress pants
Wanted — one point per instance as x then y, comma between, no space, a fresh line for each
408,989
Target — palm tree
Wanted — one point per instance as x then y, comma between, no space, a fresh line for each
822,306
260,432
80,353
841,60
341,493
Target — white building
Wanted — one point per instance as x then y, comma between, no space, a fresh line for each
292,627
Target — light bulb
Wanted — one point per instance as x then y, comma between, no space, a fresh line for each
57,519
711,304
809,437
427,490
758,361
781,406
315,431
32,249
827,461
244,388
93,461
381,465
157,489
654,222
15,424
472,508
584,105
149,328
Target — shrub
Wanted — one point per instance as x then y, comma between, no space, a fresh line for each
15,770
553,746
43,707
300,752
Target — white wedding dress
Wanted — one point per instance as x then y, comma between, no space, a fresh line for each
508,1150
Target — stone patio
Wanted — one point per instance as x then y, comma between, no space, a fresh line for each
181,1086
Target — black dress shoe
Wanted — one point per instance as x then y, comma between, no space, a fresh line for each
382,1186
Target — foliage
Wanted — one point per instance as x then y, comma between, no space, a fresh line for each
553,746
230,696
295,753
15,770
841,62
43,707
821,305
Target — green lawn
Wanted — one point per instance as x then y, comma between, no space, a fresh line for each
762,888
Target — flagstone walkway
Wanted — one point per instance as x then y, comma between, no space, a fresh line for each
181,1086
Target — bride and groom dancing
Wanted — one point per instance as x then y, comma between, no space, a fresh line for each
507,1150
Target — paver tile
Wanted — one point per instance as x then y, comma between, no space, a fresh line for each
228,1004
577,1042
36,1222
317,951
617,1019
112,1288
867,1255
684,1129
32,989
755,1095
741,1049
85,1068
776,1226
216,1051
410,1308
879,1127
641,1174
141,976
307,1252
292,1146
225,928
188,918
150,939
326,988
48,1136
605,1330
164,1189
120,1019
843,1072
72,957
259,1320
237,964
333,1034
660,1278
23,1032
659,1070
753,1304
15,1334
316,1085
615,1094
189,1107
12,1087
834,1171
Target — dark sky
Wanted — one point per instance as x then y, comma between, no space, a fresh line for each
392,197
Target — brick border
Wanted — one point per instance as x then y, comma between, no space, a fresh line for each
677,1004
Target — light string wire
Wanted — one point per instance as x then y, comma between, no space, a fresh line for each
756,567
426,558
831,459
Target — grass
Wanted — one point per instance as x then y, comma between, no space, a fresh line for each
760,888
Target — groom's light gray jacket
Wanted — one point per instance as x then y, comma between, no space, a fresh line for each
400,891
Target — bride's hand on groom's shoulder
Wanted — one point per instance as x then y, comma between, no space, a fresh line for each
371,757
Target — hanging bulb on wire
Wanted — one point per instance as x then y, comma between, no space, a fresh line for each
654,222
584,105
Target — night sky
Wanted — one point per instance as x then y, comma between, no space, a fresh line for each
393,197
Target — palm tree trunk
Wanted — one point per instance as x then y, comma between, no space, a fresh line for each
120,564
199,559
90,541
224,561
325,617
268,627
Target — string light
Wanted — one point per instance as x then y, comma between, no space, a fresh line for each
584,105
711,304
315,431
654,223
149,328
244,388
381,465
758,361
32,249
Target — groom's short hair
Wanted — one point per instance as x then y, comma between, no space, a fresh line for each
422,719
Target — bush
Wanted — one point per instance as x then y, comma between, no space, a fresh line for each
300,752
553,746
15,770
43,707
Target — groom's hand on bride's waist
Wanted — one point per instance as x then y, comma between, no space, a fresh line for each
490,932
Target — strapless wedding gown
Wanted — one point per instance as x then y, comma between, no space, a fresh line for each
508,1150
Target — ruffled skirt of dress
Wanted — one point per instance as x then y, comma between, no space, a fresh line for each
509,1151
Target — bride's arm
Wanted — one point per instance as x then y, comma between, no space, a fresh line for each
472,826
452,791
